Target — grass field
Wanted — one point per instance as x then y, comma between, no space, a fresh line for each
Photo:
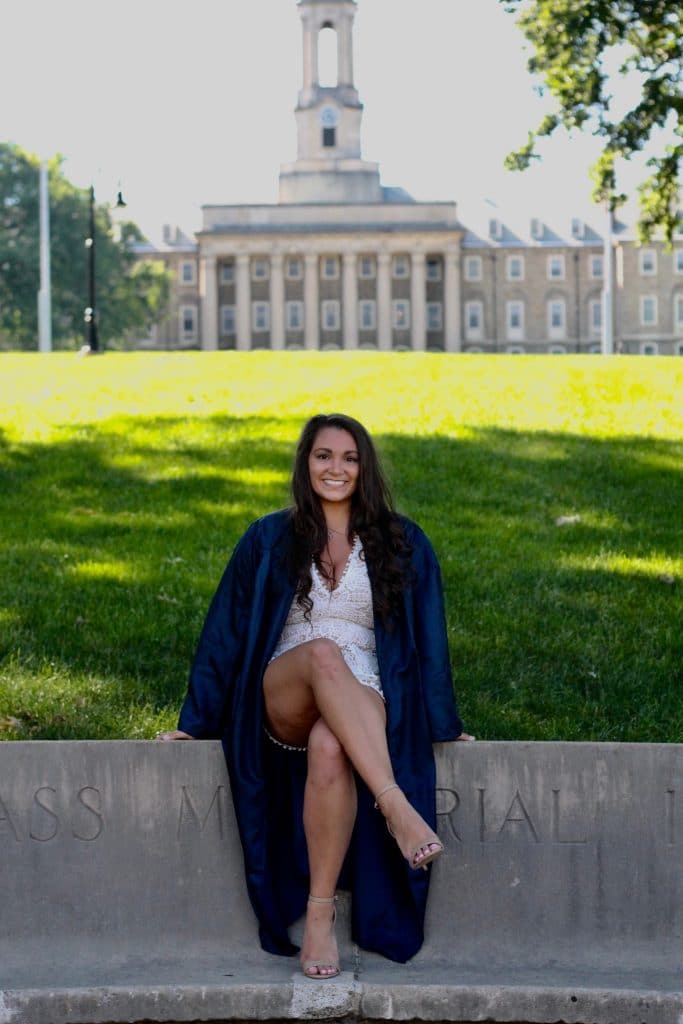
125,480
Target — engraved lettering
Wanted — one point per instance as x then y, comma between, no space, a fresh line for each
519,818
91,799
51,814
448,801
670,816
555,824
482,817
188,813
6,816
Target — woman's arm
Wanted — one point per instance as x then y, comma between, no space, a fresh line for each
218,651
431,637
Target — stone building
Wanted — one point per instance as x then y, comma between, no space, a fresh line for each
343,262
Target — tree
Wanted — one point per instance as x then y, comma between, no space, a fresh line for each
130,294
574,42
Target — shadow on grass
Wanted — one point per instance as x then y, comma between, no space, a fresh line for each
114,540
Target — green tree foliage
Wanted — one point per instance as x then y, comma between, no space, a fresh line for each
574,43
131,294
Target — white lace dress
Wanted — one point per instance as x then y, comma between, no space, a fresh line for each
343,615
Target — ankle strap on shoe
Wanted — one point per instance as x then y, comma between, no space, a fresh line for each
322,899
387,789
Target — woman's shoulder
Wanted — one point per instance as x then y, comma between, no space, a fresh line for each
422,552
268,529
413,532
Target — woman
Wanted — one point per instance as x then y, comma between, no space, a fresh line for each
323,666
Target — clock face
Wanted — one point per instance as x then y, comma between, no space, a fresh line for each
329,118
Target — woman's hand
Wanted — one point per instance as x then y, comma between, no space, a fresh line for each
174,734
465,737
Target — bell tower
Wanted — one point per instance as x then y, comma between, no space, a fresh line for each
329,168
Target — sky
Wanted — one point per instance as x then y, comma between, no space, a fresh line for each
181,104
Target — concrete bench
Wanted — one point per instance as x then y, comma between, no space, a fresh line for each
559,897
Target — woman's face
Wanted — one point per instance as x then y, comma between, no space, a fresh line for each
334,465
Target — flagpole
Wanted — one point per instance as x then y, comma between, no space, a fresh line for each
45,293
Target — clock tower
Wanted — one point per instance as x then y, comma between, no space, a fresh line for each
329,168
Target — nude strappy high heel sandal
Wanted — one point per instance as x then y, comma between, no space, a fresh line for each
307,966
431,838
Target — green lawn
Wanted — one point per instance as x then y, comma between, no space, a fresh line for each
125,480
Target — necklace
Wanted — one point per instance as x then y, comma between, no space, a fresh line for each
338,533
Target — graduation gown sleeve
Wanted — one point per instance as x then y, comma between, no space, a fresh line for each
215,663
431,641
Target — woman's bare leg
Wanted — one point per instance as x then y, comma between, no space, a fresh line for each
329,815
312,681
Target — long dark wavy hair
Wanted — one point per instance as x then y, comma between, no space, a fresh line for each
385,546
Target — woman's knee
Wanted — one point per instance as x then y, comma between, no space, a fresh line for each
325,752
323,654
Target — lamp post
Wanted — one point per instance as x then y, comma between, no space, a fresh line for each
92,341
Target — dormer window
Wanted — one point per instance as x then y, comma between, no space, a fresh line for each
329,138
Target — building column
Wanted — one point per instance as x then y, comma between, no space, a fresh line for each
451,298
310,54
311,303
345,49
208,297
384,301
277,301
350,299
243,302
418,302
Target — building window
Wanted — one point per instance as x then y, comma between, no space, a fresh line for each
260,268
678,261
260,316
294,268
330,268
678,349
515,350
400,314
678,313
329,138
400,266
647,262
557,350
188,323
330,315
514,315
227,273
434,316
596,268
367,267
649,348
557,318
294,315
367,315
648,310
473,268
188,273
595,316
474,319
228,325
514,268
594,350
556,268
433,268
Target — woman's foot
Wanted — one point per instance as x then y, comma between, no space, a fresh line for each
416,841
319,952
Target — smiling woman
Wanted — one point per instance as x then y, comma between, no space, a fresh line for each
323,666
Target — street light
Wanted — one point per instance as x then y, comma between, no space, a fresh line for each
92,342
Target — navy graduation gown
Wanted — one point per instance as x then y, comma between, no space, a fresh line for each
225,701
